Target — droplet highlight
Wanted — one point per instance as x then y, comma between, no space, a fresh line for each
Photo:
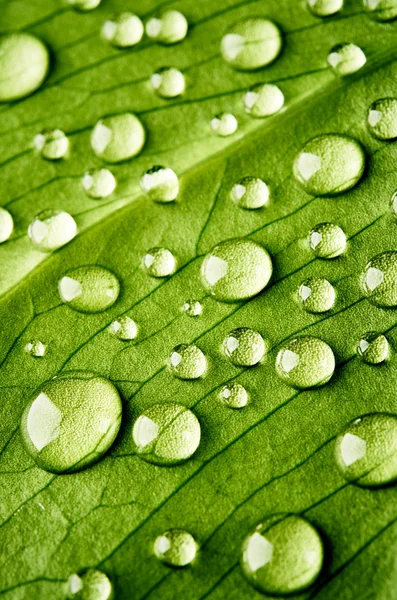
89,289
187,362
124,30
159,262
244,346
305,362
118,138
379,280
161,184
316,295
250,193
168,82
346,59
168,27
327,240
52,229
263,100
99,183
175,548
52,144
251,44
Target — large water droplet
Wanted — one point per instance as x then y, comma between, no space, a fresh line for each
316,295
250,193
329,164
52,144
379,279
373,348
124,328
381,10
99,183
6,225
52,229
166,434
90,585
160,183
224,124
305,362
192,308
159,262
251,44
71,421
236,269
283,555
244,346
234,395
124,30
176,547
327,240
346,59
325,8
263,100
187,362
89,289
382,118
36,348
168,82
24,63
366,451
84,5
118,138
168,27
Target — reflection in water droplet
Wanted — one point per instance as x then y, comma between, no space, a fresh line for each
168,82
99,183
234,395
224,124
263,100
244,346
192,308
176,547
251,44
6,225
366,450
325,8
52,144
36,348
118,138
373,348
168,27
124,328
84,5
283,555
160,183
159,262
52,229
346,59
89,289
166,434
381,10
187,362
90,585
382,118
327,240
124,30
305,362
316,295
379,279
71,421
250,193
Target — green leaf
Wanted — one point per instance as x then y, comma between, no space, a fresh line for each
276,454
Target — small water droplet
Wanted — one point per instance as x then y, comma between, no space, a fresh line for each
373,347
224,124
284,554
52,144
89,289
167,27
84,5
379,279
366,450
192,308
118,138
346,59
236,269
187,362
251,44
234,395
124,328
329,164
36,348
24,64
166,434
71,421
90,585
124,30
6,225
99,183
168,82
316,295
263,100
250,193
393,205
176,548
382,118
325,8
244,346
327,240
381,10
161,184
159,262
52,229
305,362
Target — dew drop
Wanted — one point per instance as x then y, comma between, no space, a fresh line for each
234,395
373,347
366,450
90,585
52,144
89,289
176,548
263,100
283,555
36,348
6,225
224,124
168,27
161,184
192,308
251,44
84,5
99,183
393,205
187,362
236,269
325,8
168,82
166,434
71,421
329,164
250,193
244,346
118,138
381,10
382,119
327,240
346,59
124,30
124,328
159,262
305,362
379,279
316,295
52,229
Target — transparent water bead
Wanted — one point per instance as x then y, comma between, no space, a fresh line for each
379,279
366,451
166,434
124,30
236,269
175,547
99,183
161,184
168,27
250,193
382,118
263,100
6,225
373,347
90,585
89,289
305,362
124,328
24,64
192,308
393,205
159,262
329,164
118,138
52,144
234,395
36,348
325,8
71,421
187,362
52,229
84,5
316,295
346,59
381,10
224,124
327,240
168,82
251,44
244,346
283,555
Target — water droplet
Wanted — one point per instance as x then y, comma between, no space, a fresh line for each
159,262
84,5
325,8
379,279
305,362
236,269
283,555
89,289
187,362
381,10
168,27
118,138
346,59
316,295
250,193
244,346
168,82
124,328
90,585
329,164
251,44
382,118
176,548
263,100
52,229
52,144
71,421
99,183
124,30
234,395
166,434
366,451
6,225
161,184
192,308
373,347
327,240
24,63
393,205
36,348
224,124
